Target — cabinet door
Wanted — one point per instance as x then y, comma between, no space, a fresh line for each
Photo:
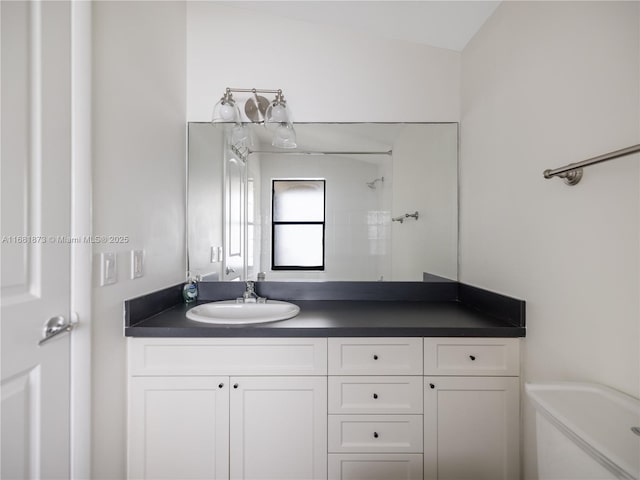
178,428
278,428
471,427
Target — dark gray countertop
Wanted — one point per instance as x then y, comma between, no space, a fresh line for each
342,318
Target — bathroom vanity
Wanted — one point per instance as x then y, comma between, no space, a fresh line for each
348,389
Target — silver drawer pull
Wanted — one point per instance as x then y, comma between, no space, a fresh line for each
54,327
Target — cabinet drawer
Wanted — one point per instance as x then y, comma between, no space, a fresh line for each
375,467
375,356
227,356
471,356
375,433
394,394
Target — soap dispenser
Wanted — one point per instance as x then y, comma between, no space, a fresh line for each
190,290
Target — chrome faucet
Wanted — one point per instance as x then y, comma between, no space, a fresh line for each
250,295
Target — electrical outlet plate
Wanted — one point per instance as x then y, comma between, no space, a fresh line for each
137,263
108,269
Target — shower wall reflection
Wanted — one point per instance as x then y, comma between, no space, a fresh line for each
370,173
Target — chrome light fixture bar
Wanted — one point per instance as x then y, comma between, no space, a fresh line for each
273,114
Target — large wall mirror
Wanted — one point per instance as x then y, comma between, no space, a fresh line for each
353,201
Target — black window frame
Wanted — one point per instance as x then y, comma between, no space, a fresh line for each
318,268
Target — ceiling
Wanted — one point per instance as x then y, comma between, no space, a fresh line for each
445,24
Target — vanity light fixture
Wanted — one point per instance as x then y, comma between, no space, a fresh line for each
274,115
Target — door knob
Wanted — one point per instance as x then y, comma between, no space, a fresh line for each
229,270
54,326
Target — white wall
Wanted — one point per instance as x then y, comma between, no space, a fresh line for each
327,73
545,84
139,94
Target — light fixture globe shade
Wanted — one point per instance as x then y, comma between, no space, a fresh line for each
284,136
279,114
276,114
225,111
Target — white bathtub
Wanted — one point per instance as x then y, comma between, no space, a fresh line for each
584,432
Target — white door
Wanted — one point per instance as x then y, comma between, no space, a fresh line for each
471,427
278,428
35,176
179,428
234,217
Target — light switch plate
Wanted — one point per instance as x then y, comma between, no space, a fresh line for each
108,269
216,254
137,263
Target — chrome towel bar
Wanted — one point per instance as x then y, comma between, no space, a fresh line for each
572,173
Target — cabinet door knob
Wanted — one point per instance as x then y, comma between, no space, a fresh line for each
472,357
220,385
375,395
375,435
432,385
235,385
375,357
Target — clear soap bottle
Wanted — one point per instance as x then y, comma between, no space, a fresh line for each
190,290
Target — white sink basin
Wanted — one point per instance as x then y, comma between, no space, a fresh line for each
231,313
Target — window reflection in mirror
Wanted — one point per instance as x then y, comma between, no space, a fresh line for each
297,228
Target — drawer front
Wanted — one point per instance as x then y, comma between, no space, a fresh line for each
397,394
375,466
227,356
375,356
375,433
471,356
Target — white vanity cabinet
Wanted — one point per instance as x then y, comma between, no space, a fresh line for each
227,408
400,408
471,409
